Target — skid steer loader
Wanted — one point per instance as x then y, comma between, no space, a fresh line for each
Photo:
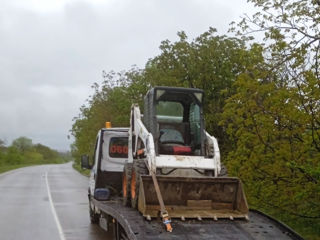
173,167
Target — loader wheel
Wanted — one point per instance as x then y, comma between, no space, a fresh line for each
126,179
118,231
138,168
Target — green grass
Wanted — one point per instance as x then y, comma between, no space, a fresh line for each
6,168
84,172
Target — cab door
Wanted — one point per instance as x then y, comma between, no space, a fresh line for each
94,170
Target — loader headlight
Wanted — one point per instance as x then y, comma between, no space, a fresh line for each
159,93
198,96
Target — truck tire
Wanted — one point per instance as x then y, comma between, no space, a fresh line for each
94,217
118,232
138,168
126,179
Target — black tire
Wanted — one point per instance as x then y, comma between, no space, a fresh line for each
223,171
118,232
94,217
138,168
123,236
126,179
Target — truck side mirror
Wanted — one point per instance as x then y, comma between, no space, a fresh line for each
85,162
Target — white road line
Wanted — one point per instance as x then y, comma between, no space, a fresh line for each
54,210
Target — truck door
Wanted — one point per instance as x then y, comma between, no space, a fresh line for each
93,173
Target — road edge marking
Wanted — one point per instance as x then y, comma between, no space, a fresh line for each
53,210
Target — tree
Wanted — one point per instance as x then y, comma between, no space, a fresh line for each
2,146
110,102
292,38
47,153
13,156
274,116
22,144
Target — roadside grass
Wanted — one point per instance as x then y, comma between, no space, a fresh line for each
9,167
85,172
5,167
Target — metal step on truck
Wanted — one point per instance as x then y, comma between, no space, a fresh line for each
162,177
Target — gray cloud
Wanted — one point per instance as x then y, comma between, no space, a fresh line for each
51,52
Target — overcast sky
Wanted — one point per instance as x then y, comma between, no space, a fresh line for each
51,51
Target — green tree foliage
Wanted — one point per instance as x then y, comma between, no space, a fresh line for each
2,149
274,116
23,153
110,102
274,153
2,143
46,153
12,156
22,144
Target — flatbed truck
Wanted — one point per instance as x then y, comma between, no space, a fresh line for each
106,206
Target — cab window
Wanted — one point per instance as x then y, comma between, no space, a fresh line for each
168,111
118,147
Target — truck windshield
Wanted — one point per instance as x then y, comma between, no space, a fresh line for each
118,147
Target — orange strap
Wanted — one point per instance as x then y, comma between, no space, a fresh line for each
140,151
167,222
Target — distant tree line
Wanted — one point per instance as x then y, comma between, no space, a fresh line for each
23,152
262,103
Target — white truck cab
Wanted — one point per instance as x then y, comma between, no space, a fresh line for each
110,155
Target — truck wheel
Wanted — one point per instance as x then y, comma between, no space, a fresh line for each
118,232
126,179
94,218
138,168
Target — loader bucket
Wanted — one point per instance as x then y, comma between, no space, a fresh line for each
194,197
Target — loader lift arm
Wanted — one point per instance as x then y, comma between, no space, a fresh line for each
141,137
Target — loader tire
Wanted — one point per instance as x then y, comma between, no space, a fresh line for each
126,179
138,168
223,171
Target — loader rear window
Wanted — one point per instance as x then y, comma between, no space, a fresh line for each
169,111
118,147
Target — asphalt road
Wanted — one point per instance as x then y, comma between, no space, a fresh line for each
46,202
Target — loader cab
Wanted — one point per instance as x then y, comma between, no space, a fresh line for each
175,119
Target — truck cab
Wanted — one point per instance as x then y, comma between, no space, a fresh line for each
110,155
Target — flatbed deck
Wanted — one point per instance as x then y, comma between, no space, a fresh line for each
259,226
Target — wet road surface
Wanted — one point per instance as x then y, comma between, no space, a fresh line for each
46,202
